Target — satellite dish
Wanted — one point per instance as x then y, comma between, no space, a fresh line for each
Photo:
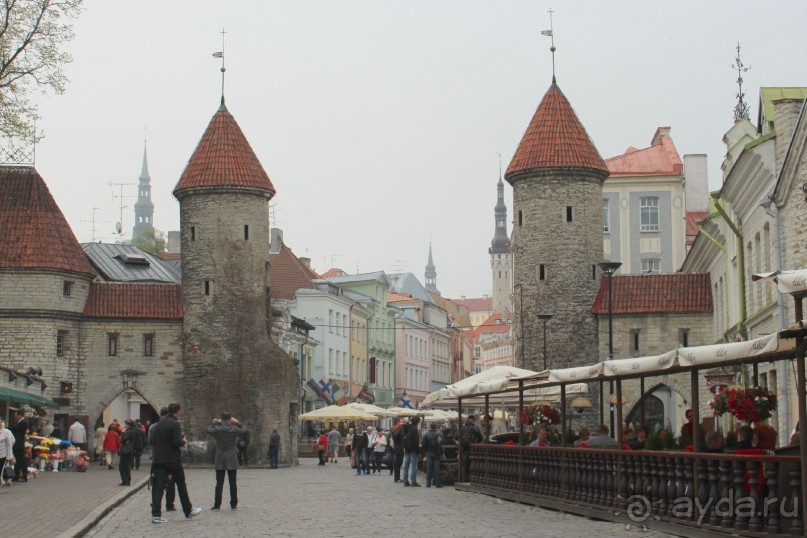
118,227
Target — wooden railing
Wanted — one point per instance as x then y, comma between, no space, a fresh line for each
722,493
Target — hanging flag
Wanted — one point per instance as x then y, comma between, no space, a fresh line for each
313,385
406,402
325,387
366,395
338,395
547,33
218,55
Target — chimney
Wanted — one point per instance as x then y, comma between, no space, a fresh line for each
661,132
306,262
786,114
275,240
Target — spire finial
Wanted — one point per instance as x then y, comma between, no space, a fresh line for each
220,54
551,34
741,109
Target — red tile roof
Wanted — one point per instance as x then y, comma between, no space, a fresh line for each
555,138
332,272
476,304
398,297
490,326
169,256
661,159
288,274
143,301
656,293
33,231
691,219
224,158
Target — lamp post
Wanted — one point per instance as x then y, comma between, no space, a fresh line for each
544,319
609,268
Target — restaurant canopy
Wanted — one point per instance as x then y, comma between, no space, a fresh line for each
489,380
336,413
369,409
20,397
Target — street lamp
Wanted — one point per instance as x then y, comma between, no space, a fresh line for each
544,319
609,268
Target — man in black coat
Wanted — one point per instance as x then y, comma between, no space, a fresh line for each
19,429
360,444
397,436
167,439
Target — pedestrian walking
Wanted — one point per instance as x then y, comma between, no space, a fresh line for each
77,435
100,435
6,454
411,453
334,438
168,439
19,429
379,444
111,445
226,431
241,446
322,446
170,485
140,443
128,438
274,448
349,444
360,443
433,449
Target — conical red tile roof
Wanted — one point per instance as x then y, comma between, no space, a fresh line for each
555,138
33,231
224,158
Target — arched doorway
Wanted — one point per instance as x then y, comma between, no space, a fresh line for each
661,410
129,403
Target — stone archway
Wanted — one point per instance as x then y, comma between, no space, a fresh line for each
676,383
114,392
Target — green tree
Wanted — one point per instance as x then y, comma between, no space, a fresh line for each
152,241
31,34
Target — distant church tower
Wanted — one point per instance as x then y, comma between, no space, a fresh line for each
499,250
230,362
557,177
144,208
431,274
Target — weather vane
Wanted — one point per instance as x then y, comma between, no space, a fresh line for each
551,34
220,54
741,109
500,165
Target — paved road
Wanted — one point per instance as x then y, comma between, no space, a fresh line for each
312,500
54,502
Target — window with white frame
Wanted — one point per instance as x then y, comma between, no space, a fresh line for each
606,216
651,266
649,213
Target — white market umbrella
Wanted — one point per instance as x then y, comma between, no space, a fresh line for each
336,412
370,409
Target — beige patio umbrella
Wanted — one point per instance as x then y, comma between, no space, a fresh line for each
370,409
405,412
336,413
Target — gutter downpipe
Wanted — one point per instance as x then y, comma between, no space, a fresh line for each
781,367
740,266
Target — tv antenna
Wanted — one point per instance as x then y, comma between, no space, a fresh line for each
120,197
94,221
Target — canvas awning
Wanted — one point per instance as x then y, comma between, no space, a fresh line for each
489,380
336,413
20,397
370,409
640,365
786,281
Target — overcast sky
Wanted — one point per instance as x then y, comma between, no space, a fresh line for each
380,123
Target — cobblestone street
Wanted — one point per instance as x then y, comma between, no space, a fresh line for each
310,500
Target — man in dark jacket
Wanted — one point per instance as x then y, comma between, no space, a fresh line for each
170,486
360,444
397,437
470,436
433,448
139,444
168,439
226,431
274,448
411,451
19,429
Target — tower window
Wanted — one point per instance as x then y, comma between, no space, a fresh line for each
594,272
67,288
112,344
148,345
193,233
520,218
207,287
542,272
568,213
606,217
683,337
635,335
246,232
500,274
60,338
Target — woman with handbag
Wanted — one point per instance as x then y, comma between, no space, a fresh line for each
6,455
126,453
111,445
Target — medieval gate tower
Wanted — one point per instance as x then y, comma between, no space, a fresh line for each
230,362
557,177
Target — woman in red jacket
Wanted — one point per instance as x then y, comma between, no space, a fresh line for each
322,447
111,446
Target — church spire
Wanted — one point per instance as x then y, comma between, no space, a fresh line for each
431,273
500,243
144,208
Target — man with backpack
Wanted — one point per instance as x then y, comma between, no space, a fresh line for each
470,436
411,451
433,448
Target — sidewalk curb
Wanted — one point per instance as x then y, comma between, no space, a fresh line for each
91,519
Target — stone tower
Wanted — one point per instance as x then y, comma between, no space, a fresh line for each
231,363
557,177
144,208
499,251
431,274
